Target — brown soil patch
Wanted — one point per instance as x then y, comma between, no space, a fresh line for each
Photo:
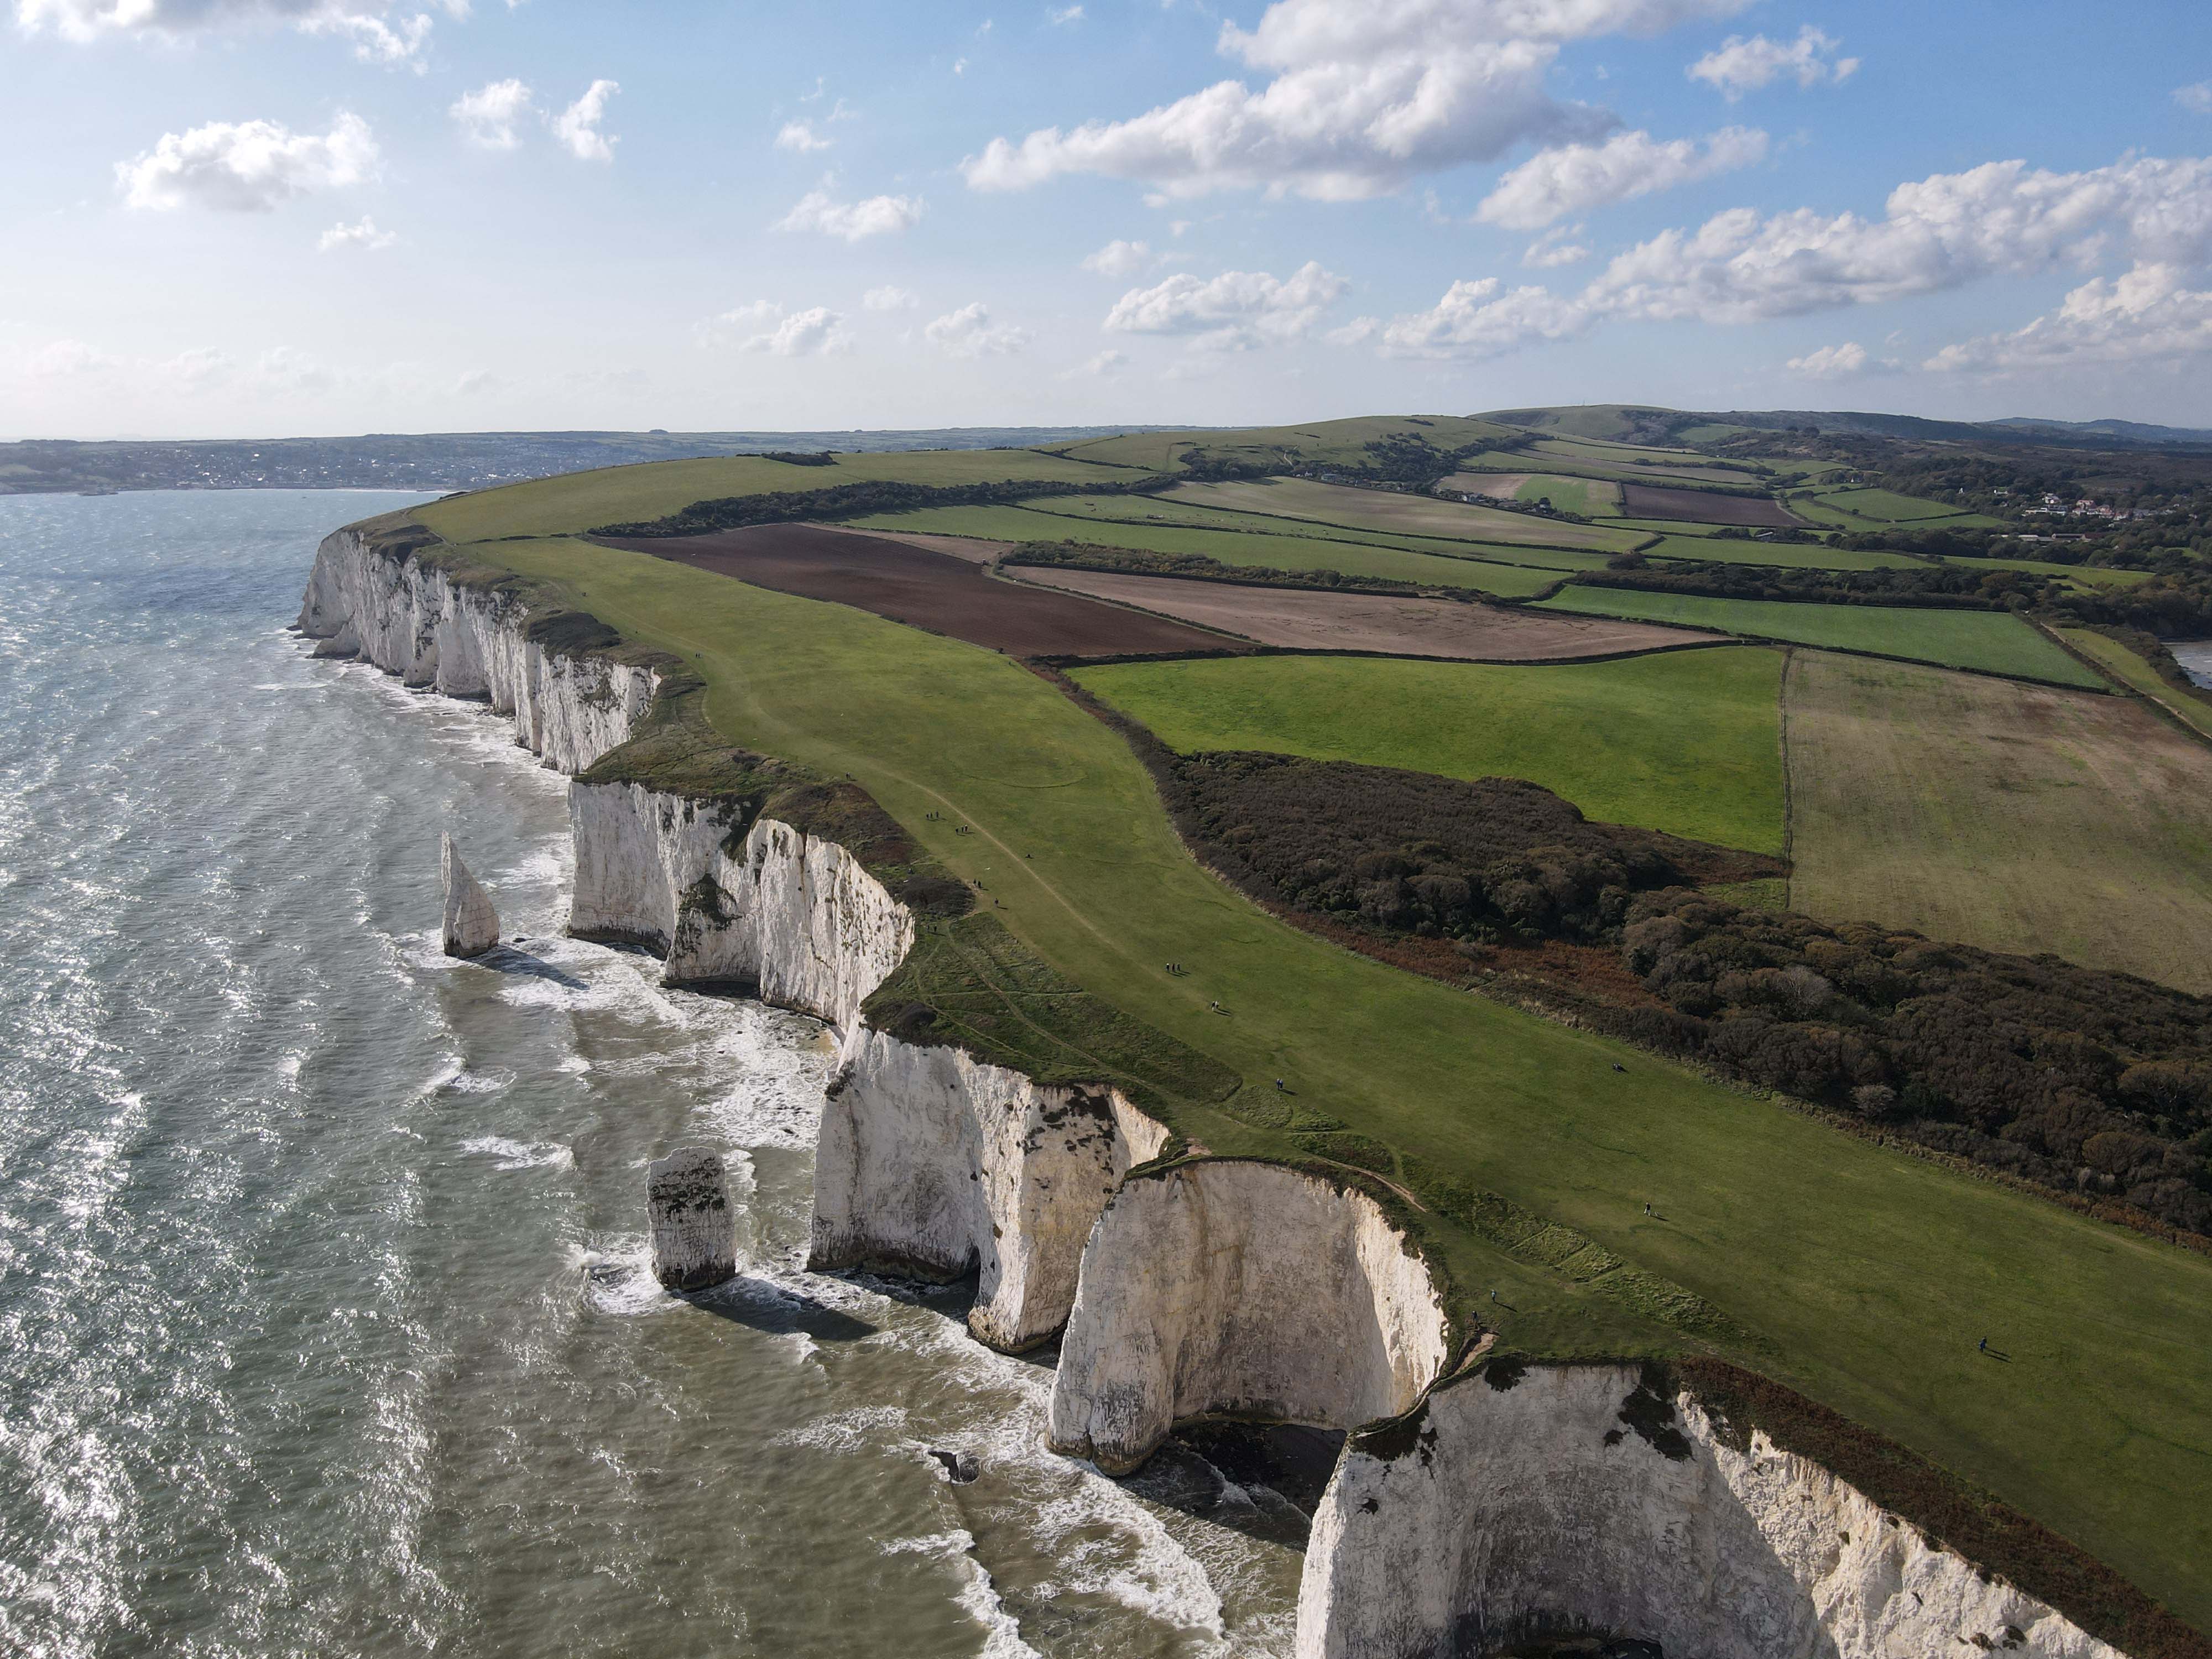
1703,507
927,590
973,549
1316,621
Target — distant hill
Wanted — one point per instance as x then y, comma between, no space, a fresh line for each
1646,423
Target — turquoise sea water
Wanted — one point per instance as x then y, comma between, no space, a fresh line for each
323,1322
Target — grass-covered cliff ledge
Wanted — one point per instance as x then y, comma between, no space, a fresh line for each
1862,1278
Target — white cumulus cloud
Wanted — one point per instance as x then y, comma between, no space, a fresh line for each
2197,98
1834,362
2149,315
1238,308
1558,184
577,127
364,236
489,115
1361,98
247,167
801,138
379,31
890,297
1119,259
814,332
852,221
1937,233
1741,65
1554,248
969,332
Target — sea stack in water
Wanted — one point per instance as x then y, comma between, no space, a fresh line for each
472,925
694,1235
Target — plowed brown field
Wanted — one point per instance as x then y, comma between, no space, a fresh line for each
929,590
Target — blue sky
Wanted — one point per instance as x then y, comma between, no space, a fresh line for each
263,217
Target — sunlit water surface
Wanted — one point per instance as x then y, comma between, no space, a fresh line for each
323,1323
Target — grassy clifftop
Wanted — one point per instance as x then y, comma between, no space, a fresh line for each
1861,1278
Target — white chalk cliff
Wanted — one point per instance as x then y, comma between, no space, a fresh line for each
471,925
695,1231
1235,1288
933,1163
413,621
1576,1501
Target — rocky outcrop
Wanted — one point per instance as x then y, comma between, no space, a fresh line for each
694,1232
767,910
1232,1288
1522,1503
471,925
374,599
933,1165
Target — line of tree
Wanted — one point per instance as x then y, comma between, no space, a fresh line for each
856,501
1924,587
1196,567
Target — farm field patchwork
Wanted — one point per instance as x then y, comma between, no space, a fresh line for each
2014,816
1280,552
1343,442
1858,1268
1993,642
1683,741
1377,509
1305,619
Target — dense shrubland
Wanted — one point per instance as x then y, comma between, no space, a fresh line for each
1926,587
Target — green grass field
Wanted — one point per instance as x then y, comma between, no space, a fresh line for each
1591,497
1684,742
2132,670
1865,509
1229,547
1992,642
1412,515
1920,800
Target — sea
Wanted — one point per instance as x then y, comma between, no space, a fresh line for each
325,1325
2194,656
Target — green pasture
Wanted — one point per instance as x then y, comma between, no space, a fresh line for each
1865,1275
1685,741
1591,497
1866,509
1227,547
578,501
1992,642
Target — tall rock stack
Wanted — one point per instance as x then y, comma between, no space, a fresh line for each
694,1232
472,925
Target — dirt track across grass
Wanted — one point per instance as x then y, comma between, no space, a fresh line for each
1317,621
929,590
1704,507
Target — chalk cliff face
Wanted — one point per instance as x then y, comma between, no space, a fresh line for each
934,1164
467,642
1233,1288
471,925
1578,1501
694,1232
787,916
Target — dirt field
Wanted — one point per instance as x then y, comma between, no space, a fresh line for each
2002,815
1367,622
1702,507
929,590
974,549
